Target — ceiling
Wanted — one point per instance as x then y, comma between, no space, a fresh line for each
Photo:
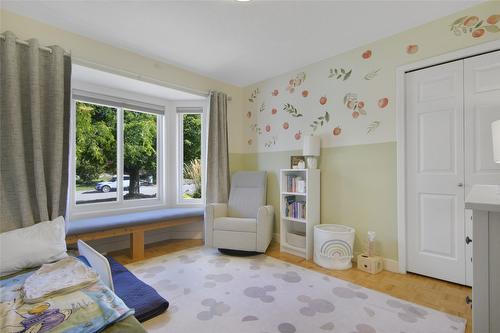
99,78
236,42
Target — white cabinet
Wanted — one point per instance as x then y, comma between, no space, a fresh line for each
299,210
484,200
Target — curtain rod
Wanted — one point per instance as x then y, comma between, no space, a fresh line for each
145,78
19,41
43,48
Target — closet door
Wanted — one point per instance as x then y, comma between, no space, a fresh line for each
482,107
435,172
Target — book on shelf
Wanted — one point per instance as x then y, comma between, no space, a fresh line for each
295,184
295,209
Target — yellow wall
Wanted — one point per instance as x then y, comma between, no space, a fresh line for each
88,51
358,188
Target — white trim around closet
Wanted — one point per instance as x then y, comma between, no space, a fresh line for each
401,131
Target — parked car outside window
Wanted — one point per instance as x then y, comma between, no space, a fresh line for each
112,184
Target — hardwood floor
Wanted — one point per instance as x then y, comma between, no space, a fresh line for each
436,294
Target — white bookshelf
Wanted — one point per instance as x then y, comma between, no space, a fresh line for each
301,227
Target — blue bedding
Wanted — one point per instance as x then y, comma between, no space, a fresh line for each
136,294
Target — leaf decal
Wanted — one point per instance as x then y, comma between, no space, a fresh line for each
372,74
262,107
347,75
474,26
292,110
271,142
320,121
340,73
373,126
256,128
253,95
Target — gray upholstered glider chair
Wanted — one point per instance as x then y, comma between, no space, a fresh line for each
245,223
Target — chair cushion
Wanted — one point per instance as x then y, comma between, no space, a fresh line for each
235,224
248,193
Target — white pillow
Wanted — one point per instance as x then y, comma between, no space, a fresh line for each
32,246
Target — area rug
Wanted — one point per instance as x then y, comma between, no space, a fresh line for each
211,292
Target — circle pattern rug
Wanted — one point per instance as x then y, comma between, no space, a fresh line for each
211,292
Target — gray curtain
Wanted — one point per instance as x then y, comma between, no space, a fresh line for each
217,184
35,97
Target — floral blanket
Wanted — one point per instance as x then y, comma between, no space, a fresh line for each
87,310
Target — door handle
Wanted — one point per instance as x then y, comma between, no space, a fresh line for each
468,300
460,184
468,240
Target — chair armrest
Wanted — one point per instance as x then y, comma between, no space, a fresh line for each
265,224
213,211
219,209
266,211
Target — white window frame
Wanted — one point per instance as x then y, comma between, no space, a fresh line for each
181,110
120,205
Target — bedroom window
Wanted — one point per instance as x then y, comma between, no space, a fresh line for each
190,152
116,153
139,155
96,153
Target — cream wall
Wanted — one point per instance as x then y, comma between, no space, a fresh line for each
358,162
100,55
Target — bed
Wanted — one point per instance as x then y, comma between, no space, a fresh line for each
92,309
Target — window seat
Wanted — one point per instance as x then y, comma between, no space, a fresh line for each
133,224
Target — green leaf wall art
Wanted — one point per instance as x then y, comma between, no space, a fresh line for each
372,74
253,95
256,128
320,121
292,110
475,26
340,73
373,126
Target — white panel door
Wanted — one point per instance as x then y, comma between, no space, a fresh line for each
482,107
435,172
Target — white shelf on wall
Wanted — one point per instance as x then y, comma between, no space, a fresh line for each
301,228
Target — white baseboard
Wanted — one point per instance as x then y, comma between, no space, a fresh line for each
391,265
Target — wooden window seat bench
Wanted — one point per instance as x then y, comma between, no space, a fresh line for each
133,224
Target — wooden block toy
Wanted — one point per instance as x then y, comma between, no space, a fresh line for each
371,265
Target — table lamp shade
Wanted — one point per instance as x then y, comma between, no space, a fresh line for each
312,145
495,133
